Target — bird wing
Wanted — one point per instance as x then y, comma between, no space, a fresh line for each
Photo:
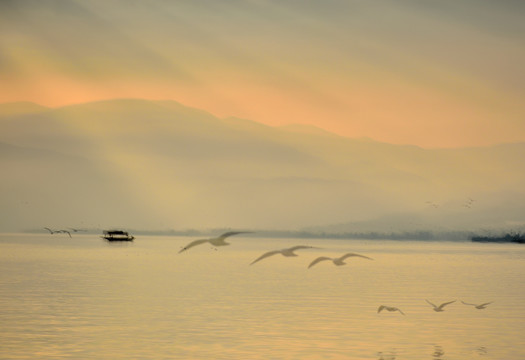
231,233
445,304
347,255
468,303
485,304
265,255
319,259
433,305
381,308
63,232
193,243
400,311
298,247
48,229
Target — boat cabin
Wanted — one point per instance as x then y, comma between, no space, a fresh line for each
117,235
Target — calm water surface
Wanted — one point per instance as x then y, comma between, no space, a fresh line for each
83,298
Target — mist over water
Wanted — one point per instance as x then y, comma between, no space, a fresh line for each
85,298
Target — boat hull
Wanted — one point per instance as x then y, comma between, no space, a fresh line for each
107,238
117,235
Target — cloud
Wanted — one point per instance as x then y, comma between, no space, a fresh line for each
446,74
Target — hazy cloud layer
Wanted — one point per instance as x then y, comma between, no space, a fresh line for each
441,73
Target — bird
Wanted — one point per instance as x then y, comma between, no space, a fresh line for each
285,252
388,308
337,261
468,203
440,307
63,232
216,241
480,306
50,231
58,231
433,204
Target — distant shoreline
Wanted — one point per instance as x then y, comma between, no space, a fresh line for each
422,235
507,238
297,234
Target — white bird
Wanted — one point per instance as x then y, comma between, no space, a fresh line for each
388,308
216,241
284,252
440,307
337,261
480,306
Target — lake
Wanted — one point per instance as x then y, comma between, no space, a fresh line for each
84,298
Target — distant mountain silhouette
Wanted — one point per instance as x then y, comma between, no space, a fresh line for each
20,108
159,164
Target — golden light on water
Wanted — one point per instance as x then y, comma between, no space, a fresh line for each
84,297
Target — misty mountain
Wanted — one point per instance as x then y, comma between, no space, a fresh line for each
162,165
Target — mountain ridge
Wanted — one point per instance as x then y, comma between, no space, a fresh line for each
28,107
179,167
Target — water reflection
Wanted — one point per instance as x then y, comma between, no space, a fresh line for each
438,352
482,350
390,355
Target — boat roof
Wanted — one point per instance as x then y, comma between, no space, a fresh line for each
115,232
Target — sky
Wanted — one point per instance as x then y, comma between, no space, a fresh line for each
430,73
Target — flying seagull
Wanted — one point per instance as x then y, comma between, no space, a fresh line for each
440,307
63,232
284,252
216,241
50,231
480,306
58,231
388,308
337,261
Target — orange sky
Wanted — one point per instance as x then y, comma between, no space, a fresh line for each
396,71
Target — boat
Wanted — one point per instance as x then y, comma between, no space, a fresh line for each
507,238
117,235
